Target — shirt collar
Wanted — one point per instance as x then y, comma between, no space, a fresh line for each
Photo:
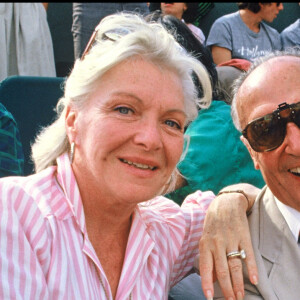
292,217
67,181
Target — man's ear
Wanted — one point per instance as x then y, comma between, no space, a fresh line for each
70,124
253,153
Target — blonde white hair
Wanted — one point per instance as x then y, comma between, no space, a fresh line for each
120,37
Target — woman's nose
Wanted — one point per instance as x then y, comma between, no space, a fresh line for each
149,136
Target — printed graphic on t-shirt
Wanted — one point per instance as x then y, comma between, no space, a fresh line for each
252,53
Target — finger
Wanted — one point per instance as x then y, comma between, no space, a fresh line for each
250,260
206,266
236,273
223,273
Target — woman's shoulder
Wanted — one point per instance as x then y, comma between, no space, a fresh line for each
27,182
24,216
159,208
18,192
162,209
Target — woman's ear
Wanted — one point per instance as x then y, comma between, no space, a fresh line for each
253,153
70,123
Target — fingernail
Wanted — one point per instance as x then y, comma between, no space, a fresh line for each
254,280
209,295
239,296
230,298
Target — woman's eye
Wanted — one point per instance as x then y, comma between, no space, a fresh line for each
123,110
173,124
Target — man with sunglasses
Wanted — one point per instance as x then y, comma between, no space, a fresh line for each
266,108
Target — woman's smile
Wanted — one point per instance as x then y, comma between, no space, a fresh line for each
138,165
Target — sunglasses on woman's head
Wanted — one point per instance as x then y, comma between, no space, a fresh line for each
268,132
112,35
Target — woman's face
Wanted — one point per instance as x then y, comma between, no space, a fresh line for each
129,135
175,9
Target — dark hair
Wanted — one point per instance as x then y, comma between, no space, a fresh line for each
185,37
190,15
254,7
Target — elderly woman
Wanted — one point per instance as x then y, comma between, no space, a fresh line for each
90,224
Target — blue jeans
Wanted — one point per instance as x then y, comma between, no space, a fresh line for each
188,288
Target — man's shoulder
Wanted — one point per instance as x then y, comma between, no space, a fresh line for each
292,30
264,195
292,27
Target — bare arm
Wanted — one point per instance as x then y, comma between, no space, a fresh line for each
220,54
225,230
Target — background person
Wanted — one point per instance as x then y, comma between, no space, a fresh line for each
211,131
290,36
87,15
243,34
11,150
26,46
180,10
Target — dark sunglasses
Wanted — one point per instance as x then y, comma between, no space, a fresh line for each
268,132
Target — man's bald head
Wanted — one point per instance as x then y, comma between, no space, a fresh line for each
264,78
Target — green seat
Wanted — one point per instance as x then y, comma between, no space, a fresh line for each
31,100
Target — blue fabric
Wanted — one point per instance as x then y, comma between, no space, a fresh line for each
290,36
11,151
216,156
188,288
31,100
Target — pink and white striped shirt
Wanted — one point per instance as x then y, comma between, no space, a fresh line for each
45,252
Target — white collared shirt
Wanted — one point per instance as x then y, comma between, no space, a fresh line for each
292,217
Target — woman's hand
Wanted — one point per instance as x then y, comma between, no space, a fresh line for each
225,230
